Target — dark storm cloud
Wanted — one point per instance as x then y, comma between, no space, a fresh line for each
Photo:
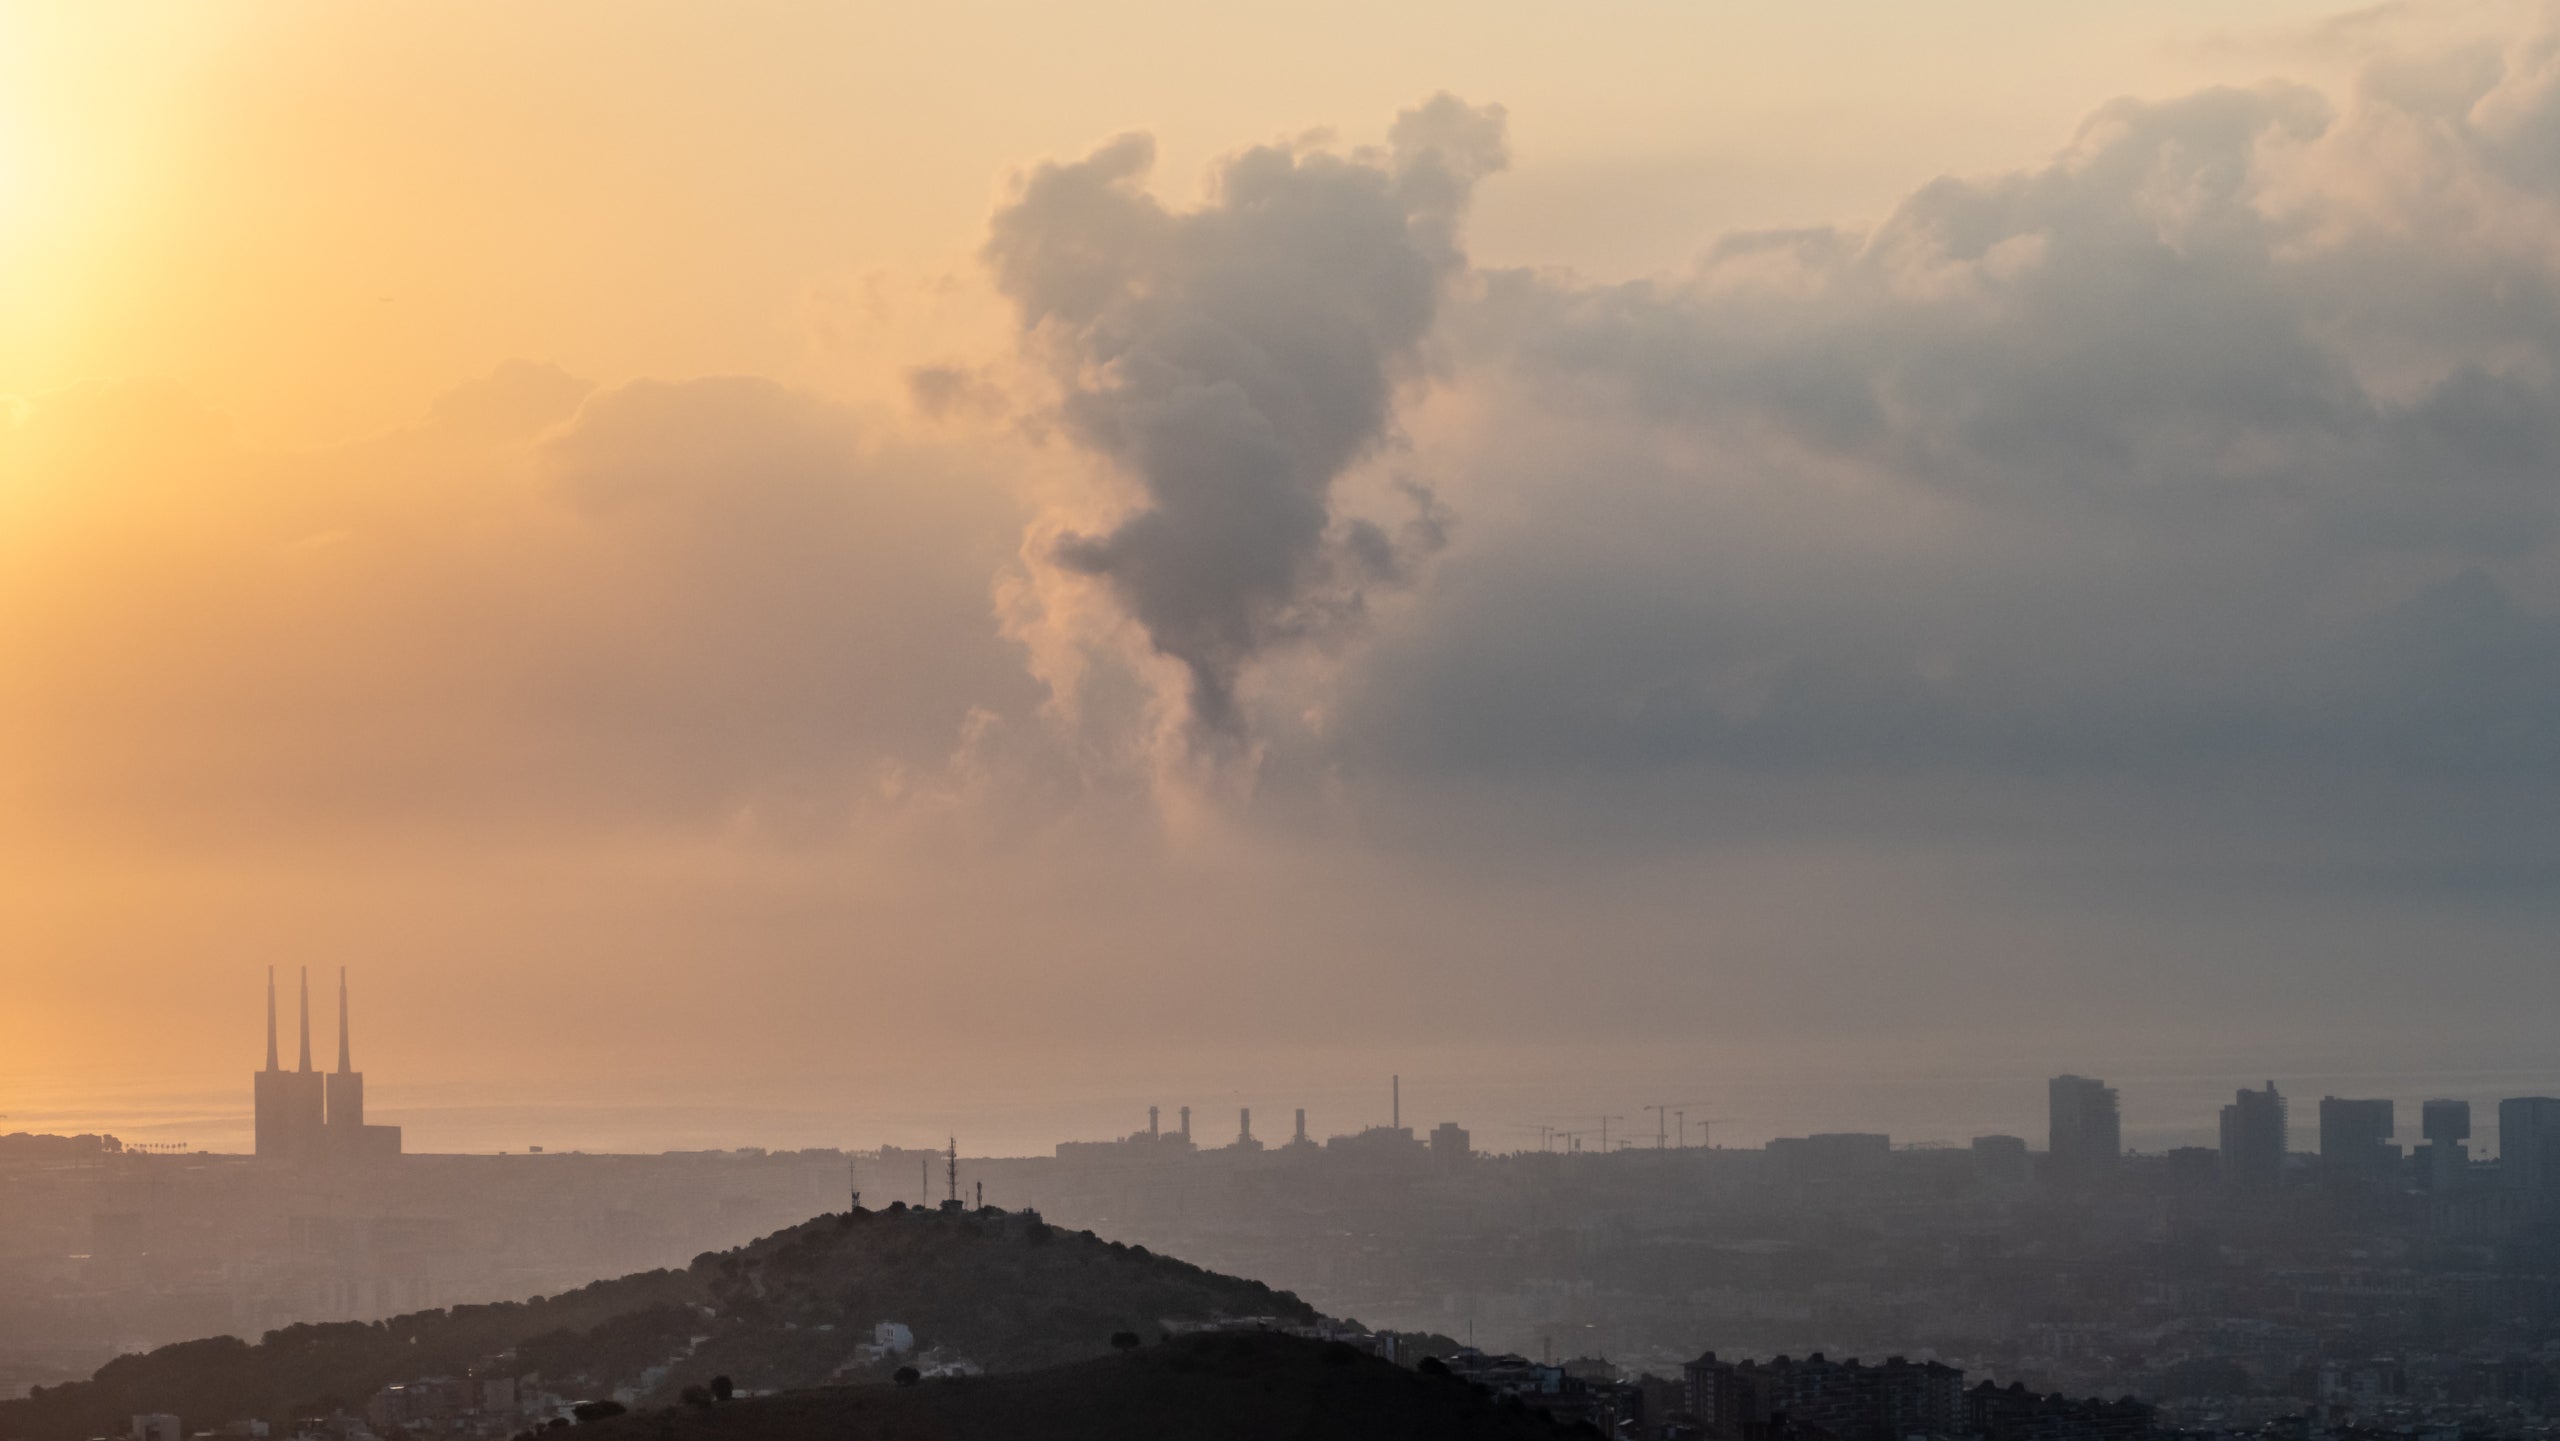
1234,360
2228,442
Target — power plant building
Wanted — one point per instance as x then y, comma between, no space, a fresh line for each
305,1116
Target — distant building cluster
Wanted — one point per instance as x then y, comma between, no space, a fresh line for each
1448,1143
2357,1140
1815,1399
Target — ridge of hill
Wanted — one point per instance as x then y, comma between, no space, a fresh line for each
1233,1385
1005,1290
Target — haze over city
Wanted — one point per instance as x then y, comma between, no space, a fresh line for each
999,563
1658,720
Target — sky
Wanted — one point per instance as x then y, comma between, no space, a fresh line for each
817,574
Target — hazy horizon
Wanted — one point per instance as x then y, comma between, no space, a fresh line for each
1502,1107
826,577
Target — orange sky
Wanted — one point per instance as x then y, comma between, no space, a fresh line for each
468,510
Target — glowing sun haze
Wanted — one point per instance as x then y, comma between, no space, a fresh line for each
815,573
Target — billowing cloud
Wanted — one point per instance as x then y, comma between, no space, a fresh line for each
2220,454
2117,586
1234,360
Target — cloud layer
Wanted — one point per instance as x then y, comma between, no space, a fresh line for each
2223,447
1234,360
2129,581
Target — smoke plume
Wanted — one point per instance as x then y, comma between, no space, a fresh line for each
1234,360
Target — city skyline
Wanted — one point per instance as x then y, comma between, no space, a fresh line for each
2073,1104
1773,720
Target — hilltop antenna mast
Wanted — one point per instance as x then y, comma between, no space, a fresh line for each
952,1160
853,1181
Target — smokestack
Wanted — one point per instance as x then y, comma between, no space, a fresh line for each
1186,1123
346,1051
1302,1125
272,1063
1244,1124
1152,1132
306,1020
1395,1103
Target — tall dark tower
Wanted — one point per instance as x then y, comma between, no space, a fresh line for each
346,1084
291,1105
268,1089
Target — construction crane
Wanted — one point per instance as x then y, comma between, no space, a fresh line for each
1662,1114
1705,1134
1604,1127
1546,1133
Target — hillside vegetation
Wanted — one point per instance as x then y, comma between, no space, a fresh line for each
1234,1386
1004,1290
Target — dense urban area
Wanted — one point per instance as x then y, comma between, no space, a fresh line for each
1849,1285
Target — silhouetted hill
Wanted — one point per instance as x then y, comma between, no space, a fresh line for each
1235,1386
1006,1291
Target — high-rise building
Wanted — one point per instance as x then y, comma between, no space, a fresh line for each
2444,1160
2253,1137
1450,1143
2085,1127
2529,1148
2355,1137
2002,1160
